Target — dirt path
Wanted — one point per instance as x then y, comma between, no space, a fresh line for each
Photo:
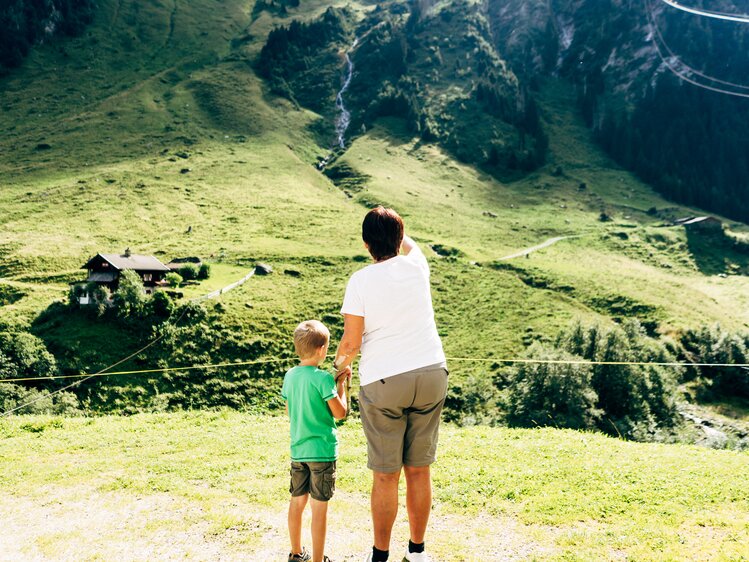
69,524
223,290
527,251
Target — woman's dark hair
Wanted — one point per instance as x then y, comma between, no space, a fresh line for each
382,231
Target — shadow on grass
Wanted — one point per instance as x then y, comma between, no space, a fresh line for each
715,253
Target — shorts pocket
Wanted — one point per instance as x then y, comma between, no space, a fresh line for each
329,478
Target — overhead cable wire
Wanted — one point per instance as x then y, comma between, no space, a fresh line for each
690,69
682,75
468,359
742,18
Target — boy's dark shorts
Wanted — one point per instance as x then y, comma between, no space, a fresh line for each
314,478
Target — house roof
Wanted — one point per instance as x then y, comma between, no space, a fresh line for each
132,261
694,220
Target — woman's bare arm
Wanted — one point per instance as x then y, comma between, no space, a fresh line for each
407,245
348,349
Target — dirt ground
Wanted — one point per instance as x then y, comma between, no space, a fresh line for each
73,525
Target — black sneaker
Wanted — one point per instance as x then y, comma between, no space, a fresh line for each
303,556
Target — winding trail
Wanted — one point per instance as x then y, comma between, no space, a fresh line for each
226,289
527,251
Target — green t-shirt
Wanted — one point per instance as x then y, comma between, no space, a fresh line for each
313,430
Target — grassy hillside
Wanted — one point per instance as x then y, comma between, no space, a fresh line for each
200,486
152,131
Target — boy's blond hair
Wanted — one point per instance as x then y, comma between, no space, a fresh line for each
310,336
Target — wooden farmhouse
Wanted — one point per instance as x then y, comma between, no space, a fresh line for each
105,269
700,224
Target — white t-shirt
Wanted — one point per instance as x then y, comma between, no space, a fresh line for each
395,299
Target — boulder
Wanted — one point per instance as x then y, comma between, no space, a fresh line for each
263,269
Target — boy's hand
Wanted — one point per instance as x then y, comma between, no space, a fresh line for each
343,374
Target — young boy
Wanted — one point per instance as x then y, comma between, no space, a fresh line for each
314,400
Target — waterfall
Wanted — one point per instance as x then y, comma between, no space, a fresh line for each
343,119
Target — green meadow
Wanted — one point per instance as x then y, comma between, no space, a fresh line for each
214,486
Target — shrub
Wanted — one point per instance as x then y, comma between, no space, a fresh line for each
204,272
25,355
38,401
173,279
189,271
161,305
715,345
472,401
130,297
561,395
635,400
100,298
75,293
633,397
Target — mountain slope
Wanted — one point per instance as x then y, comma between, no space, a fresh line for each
164,139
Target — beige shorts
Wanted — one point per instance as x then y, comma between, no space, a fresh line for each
401,418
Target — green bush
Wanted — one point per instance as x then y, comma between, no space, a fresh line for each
559,395
189,271
160,305
714,345
472,401
173,279
204,272
130,298
24,355
100,298
636,399
37,401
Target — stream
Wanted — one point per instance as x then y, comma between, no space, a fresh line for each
343,119
344,115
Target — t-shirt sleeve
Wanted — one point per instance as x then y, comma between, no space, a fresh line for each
327,387
352,301
418,257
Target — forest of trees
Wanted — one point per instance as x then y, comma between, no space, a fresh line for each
23,23
403,67
687,142
301,61
690,144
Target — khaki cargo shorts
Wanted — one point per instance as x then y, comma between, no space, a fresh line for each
314,478
401,418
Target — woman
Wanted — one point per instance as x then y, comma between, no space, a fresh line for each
388,315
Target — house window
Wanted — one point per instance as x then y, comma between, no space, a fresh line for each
147,277
104,264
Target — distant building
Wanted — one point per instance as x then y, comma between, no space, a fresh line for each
702,224
106,269
178,263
